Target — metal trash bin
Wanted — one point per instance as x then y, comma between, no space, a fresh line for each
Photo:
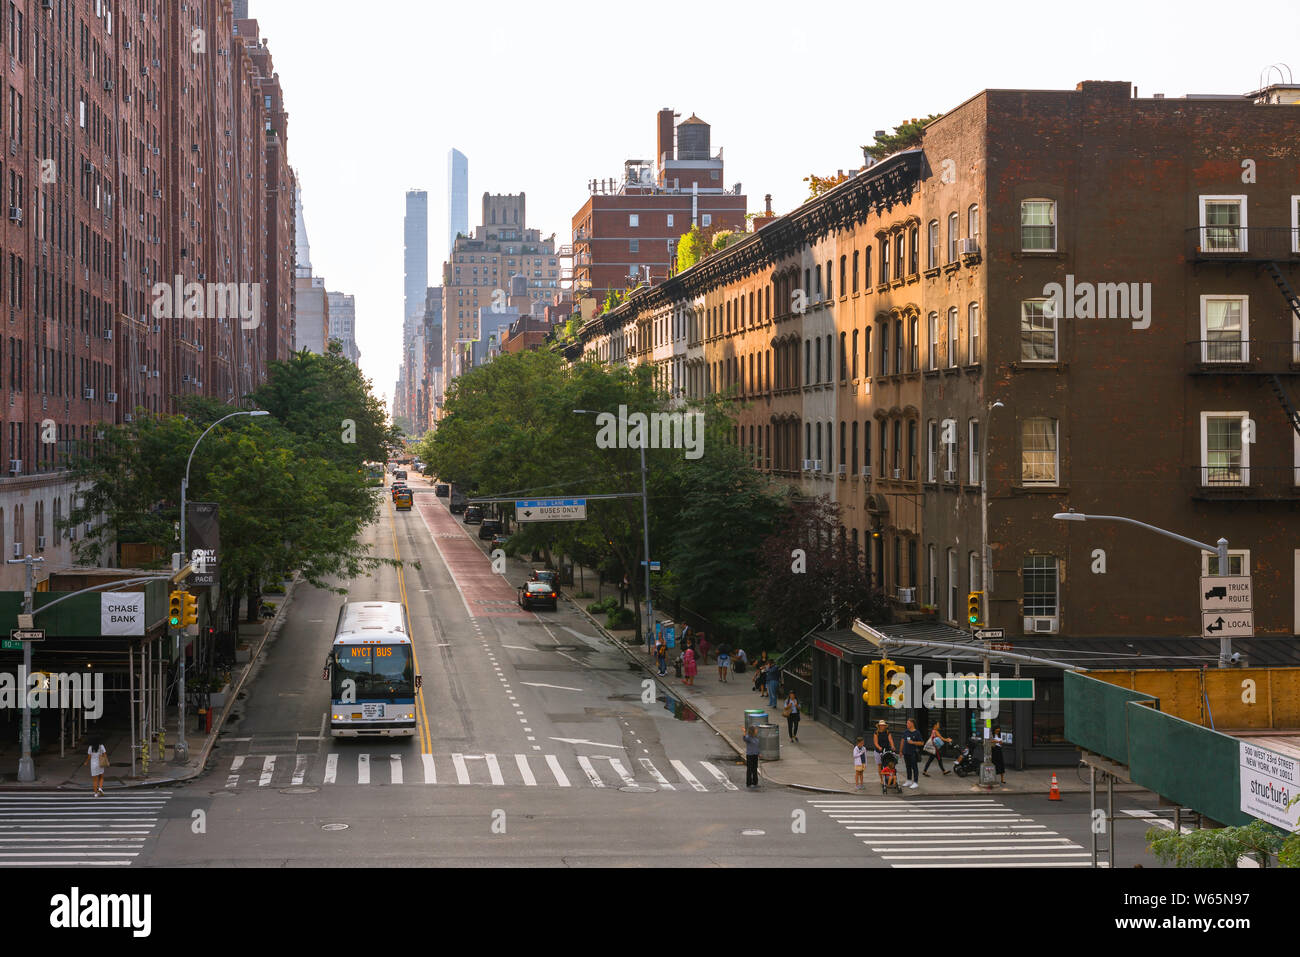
754,718
769,742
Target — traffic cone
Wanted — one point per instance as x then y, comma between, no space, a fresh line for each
1055,793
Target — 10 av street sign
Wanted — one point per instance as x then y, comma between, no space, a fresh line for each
551,510
974,688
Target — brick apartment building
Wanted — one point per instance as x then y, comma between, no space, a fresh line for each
138,151
627,230
932,388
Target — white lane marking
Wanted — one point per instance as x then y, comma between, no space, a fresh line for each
443,644
561,778
722,778
299,769
525,771
235,765
541,684
363,769
430,772
594,744
331,768
1155,819
325,716
592,776
395,766
494,769
518,647
689,778
268,769
948,864
654,772
462,772
981,857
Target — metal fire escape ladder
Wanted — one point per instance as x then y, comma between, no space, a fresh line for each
1293,416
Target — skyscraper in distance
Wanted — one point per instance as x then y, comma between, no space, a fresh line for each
415,231
457,197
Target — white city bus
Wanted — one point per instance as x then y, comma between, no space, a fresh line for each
371,669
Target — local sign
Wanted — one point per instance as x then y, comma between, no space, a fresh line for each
1227,624
551,510
975,687
27,634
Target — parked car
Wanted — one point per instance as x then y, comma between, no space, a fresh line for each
442,490
489,527
548,576
532,594
473,514
499,541
458,504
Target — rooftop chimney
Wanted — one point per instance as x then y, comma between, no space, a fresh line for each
768,199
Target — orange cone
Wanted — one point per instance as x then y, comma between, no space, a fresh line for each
1055,793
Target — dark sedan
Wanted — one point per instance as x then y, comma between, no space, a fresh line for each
537,594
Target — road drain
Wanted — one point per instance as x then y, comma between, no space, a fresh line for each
333,827
299,790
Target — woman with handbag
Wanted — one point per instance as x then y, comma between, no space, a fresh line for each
934,748
791,712
97,755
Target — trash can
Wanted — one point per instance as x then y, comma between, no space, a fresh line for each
754,717
769,742
677,666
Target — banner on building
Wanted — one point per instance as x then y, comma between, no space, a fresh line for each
203,537
1270,786
121,613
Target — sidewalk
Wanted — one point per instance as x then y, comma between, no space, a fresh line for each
70,772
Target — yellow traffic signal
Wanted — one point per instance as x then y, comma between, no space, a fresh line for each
871,683
895,679
175,609
190,613
975,608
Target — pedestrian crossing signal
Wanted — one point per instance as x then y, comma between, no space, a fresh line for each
175,609
975,608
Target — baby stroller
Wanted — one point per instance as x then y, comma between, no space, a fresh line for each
889,772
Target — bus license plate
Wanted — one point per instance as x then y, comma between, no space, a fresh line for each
369,712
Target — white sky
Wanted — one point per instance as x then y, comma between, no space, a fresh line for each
541,97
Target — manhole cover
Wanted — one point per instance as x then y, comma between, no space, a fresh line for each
333,827
299,790
752,832
638,789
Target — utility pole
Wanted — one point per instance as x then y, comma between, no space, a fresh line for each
26,767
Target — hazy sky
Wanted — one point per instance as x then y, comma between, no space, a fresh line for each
542,97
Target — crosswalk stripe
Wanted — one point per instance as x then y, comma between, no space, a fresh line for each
561,778
331,768
233,780
48,829
525,771
726,782
654,771
268,769
592,776
299,770
462,772
686,775
617,765
494,769
395,766
430,772
363,769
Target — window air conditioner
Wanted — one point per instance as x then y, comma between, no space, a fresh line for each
866,471
950,475
112,397
15,466
40,543
87,393
898,473
1040,625
843,471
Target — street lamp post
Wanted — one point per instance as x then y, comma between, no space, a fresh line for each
1220,548
26,766
645,534
182,752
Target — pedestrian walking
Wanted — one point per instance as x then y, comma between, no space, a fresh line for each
934,748
704,649
760,672
996,753
661,656
740,660
688,665
913,741
724,663
773,683
751,757
860,764
883,741
97,756
791,712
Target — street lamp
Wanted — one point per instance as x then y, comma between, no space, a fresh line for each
1221,548
645,533
182,752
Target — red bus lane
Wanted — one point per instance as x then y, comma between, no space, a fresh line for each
485,593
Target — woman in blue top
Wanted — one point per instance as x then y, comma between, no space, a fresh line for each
724,663
791,712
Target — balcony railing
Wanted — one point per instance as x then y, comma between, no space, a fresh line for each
1230,355
1248,481
1243,243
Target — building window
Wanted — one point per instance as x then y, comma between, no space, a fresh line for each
900,250
934,341
915,352
633,220
932,590
634,245
866,353
953,234
911,451
973,452
884,348
976,578
884,259
856,253
952,337
953,603
898,346
1037,331
855,448
1238,563
1225,456
866,268
1041,580
844,372
855,355
844,265
1038,225
914,250
706,220
933,261
973,222
1038,451
931,450
898,448
1223,223
973,333
1225,329
670,220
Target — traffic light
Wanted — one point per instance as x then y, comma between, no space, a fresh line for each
871,683
175,609
190,612
975,608
895,679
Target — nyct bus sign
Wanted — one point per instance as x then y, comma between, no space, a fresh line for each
551,510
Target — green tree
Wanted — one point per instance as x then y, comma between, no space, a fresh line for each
822,184
905,136
1215,847
690,249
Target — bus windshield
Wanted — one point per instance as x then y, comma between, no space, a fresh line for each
381,672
